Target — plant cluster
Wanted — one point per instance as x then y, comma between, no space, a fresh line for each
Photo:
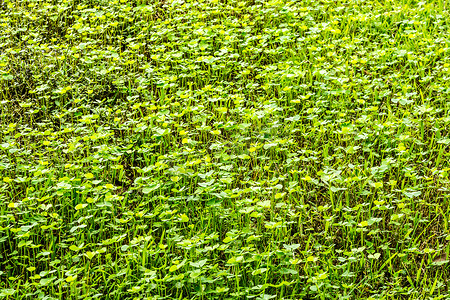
224,149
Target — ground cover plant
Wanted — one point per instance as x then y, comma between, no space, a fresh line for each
222,149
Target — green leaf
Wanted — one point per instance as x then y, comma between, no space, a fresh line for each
75,248
90,254
173,268
195,273
150,188
71,278
227,239
7,292
184,218
81,206
374,256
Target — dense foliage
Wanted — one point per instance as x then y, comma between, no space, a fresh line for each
222,149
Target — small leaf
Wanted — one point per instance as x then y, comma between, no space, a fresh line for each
195,273
71,278
226,180
363,224
227,239
311,258
76,248
377,185
90,254
80,206
7,292
445,141
184,218
374,256
173,268
150,188
279,195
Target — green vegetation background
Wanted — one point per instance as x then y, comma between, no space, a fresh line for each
224,149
